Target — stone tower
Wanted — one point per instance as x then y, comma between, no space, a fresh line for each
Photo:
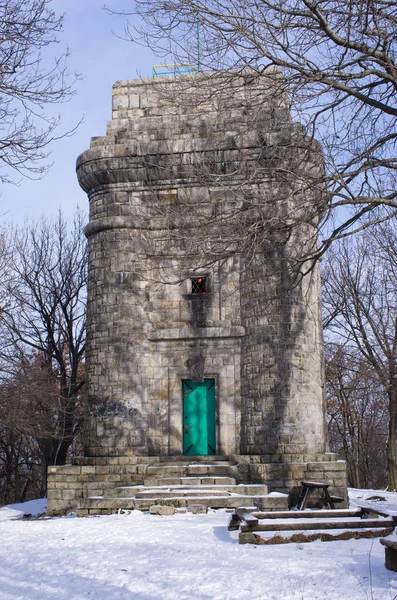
198,344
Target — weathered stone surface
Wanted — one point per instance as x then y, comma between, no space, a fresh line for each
198,509
277,477
254,332
157,509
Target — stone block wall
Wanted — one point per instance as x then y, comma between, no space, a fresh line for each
283,409
70,486
143,340
201,177
177,160
283,472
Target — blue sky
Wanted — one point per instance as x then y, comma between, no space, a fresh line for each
102,58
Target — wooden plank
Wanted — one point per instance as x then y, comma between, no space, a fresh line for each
253,538
249,519
309,514
242,514
376,507
389,543
334,524
315,484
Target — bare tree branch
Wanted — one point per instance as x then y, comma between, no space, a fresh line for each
339,68
361,313
30,79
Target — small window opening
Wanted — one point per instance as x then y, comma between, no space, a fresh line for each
199,285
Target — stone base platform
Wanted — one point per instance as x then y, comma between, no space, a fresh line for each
103,485
94,506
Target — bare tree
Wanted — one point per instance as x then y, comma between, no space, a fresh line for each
357,416
338,65
21,473
45,314
360,299
29,417
31,78
31,426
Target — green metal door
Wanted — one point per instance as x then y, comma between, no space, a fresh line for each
199,417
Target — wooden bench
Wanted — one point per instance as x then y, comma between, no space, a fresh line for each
390,553
308,487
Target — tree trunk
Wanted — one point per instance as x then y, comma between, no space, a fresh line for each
391,441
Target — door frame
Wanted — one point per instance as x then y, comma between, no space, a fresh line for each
215,378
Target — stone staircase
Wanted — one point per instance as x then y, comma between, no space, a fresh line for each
183,484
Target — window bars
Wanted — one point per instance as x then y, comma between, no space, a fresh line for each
199,285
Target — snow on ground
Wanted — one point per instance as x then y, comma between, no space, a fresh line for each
386,500
33,508
138,556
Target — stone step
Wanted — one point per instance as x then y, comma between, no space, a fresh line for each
183,459
178,490
223,480
100,505
191,469
160,494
